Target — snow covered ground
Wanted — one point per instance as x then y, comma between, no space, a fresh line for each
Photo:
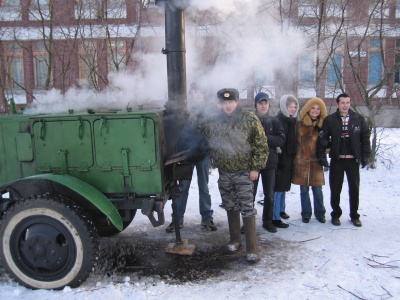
305,261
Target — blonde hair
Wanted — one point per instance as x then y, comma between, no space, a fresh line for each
291,100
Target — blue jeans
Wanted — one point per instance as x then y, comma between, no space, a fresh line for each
319,208
279,204
202,168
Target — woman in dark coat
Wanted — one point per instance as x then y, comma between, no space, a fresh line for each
306,169
283,177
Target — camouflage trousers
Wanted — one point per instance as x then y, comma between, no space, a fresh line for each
237,192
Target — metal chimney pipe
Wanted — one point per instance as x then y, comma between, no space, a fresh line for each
176,55
176,107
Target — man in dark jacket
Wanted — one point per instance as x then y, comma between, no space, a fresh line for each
275,138
199,157
349,135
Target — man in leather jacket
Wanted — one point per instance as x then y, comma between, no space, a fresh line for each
347,135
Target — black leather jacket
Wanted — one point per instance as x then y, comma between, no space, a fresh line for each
331,130
275,138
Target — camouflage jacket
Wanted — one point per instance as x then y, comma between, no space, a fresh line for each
237,142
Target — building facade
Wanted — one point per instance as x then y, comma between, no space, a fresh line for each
351,46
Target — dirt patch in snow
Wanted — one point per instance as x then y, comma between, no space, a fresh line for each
132,253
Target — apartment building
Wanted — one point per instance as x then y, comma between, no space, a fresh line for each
351,45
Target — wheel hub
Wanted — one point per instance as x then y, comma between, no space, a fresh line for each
44,247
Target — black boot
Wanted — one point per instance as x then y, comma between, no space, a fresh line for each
280,224
269,226
234,231
251,241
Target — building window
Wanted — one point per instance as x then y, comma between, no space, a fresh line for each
88,9
398,9
40,2
87,69
41,70
379,9
308,8
117,56
115,9
40,10
307,66
14,68
95,3
150,3
397,70
10,3
41,65
375,43
263,78
10,10
335,8
397,59
88,64
334,68
375,67
115,2
312,8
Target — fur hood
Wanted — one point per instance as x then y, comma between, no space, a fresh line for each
306,119
282,106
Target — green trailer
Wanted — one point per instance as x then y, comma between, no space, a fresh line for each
67,179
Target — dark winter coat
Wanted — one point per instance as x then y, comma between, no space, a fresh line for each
359,135
196,143
191,140
275,138
306,169
283,174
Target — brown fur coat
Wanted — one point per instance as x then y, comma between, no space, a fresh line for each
306,169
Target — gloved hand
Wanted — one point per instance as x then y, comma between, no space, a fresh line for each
364,162
323,162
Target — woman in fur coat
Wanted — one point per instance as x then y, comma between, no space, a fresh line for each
306,169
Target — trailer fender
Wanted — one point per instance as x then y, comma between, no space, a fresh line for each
88,192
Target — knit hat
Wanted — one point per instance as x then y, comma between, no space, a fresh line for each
260,97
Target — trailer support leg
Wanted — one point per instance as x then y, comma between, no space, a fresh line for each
181,246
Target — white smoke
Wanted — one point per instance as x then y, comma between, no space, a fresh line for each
240,39
223,7
146,86
247,43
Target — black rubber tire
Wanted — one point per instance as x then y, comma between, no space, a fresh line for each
106,229
48,242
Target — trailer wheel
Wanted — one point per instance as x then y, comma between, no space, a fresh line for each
106,229
47,242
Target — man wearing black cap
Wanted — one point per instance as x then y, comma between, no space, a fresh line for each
239,150
275,138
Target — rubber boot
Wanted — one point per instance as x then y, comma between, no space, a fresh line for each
251,242
234,231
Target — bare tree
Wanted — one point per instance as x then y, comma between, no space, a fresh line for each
341,37
364,45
